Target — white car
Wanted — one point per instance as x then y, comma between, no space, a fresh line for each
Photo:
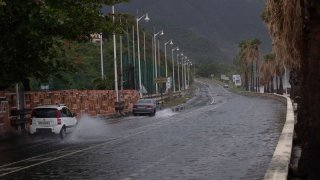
52,118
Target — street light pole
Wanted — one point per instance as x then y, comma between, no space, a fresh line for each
121,65
129,56
101,57
134,59
165,54
185,73
159,61
145,59
172,58
155,54
138,41
153,71
182,73
189,73
179,70
115,61
165,58
155,62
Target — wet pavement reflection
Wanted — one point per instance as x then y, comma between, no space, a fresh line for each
220,135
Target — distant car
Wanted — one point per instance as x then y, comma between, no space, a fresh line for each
52,118
226,86
145,106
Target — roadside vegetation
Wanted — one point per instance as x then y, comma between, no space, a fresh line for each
49,42
36,34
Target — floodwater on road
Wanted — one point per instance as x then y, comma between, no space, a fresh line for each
220,135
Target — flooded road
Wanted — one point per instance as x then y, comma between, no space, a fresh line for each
220,135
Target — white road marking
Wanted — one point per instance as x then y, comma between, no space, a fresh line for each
212,102
31,158
86,149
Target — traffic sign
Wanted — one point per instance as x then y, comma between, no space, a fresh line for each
169,82
160,80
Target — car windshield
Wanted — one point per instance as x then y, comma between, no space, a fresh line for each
44,113
145,101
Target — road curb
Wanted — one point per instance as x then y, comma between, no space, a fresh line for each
279,165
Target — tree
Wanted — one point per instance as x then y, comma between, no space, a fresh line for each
241,62
33,33
253,58
247,56
294,26
267,72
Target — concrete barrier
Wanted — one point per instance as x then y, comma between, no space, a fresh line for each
279,165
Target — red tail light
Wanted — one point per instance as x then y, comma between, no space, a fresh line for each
135,106
58,115
148,107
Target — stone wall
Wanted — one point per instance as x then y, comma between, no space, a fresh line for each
91,102
4,117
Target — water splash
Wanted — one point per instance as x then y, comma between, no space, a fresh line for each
165,113
89,129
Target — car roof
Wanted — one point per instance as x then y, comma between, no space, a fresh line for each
59,107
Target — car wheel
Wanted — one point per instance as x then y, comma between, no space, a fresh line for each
154,113
63,132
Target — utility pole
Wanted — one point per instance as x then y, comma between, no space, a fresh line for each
115,61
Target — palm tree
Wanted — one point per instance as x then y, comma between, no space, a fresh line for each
293,26
242,62
279,73
247,58
267,72
254,58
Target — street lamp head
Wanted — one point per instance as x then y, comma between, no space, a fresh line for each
159,33
147,19
169,42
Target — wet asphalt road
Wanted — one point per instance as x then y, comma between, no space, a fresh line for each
220,135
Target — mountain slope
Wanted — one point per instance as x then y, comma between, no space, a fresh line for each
218,24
